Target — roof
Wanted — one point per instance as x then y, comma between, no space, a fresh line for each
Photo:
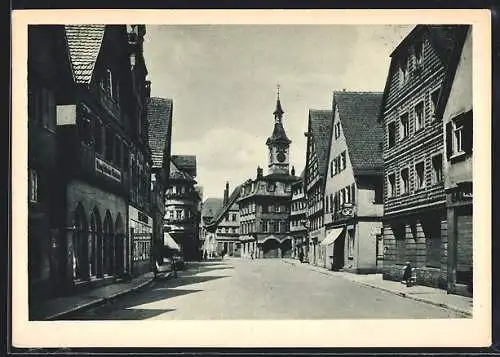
280,177
320,124
442,37
178,174
300,179
186,163
159,112
230,203
211,206
84,44
364,135
451,70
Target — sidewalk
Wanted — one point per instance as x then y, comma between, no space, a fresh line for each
433,296
57,308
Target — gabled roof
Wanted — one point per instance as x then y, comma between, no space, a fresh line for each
300,179
320,123
230,203
186,163
84,45
178,174
452,69
358,112
211,206
159,111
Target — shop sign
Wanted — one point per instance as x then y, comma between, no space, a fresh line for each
463,192
106,169
142,217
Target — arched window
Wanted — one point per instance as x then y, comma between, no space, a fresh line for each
80,249
108,244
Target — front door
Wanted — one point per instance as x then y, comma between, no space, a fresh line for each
338,252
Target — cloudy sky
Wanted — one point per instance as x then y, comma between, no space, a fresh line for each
222,79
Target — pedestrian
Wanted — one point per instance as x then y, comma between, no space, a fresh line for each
251,254
301,256
407,274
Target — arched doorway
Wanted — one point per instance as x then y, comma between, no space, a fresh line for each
95,245
271,248
108,258
119,253
286,248
79,250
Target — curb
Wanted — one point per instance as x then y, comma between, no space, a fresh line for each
97,302
398,293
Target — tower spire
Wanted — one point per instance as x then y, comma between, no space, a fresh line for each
278,112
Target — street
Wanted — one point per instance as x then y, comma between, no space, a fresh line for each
258,289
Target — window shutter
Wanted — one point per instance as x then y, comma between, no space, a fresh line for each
449,139
467,133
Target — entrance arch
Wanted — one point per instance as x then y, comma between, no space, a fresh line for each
286,248
120,245
108,260
271,248
79,251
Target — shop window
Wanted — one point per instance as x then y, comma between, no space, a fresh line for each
405,183
419,116
404,127
420,175
33,186
391,128
437,169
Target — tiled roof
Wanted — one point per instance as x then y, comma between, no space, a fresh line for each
230,204
159,111
185,163
177,174
211,206
84,44
364,135
451,70
443,38
320,123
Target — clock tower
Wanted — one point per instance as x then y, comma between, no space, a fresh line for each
278,143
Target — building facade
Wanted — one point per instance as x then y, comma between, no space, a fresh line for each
455,108
298,216
49,82
318,138
415,224
182,216
354,185
226,225
159,115
264,202
210,207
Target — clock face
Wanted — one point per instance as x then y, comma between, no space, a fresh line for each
281,157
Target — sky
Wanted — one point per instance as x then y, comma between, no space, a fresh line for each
223,82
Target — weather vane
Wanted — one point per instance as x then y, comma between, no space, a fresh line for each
278,90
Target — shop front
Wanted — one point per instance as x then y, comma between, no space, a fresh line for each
141,238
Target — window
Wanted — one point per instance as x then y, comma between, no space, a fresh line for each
233,217
419,116
336,164
419,54
404,127
33,186
434,101
343,160
405,183
265,227
391,128
420,175
178,214
337,130
403,71
332,168
459,135
437,169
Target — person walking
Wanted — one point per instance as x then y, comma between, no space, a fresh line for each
301,256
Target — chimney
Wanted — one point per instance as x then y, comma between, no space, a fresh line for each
226,193
259,173
293,171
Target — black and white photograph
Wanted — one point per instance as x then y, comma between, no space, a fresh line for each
178,172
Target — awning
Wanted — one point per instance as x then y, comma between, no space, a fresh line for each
169,242
332,236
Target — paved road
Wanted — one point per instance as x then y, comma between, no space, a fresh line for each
259,289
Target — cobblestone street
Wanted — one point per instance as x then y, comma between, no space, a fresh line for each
259,289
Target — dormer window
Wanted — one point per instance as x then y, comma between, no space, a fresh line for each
419,54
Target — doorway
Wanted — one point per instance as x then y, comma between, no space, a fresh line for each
338,252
